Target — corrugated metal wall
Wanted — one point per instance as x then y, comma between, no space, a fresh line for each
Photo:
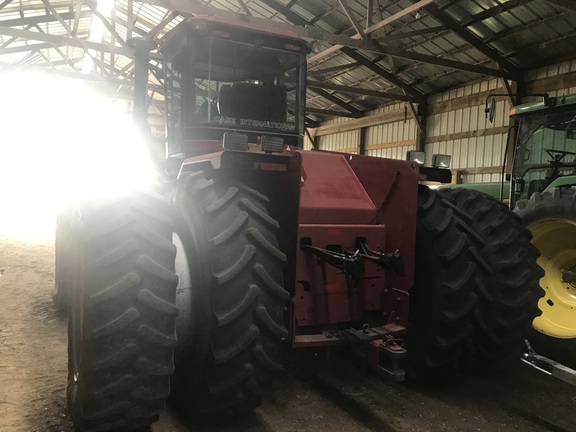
559,74
456,125
346,142
392,140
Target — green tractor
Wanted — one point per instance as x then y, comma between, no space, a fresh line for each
542,192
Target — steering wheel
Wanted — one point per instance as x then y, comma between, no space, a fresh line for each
558,155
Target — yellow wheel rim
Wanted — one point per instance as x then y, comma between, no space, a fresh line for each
556,241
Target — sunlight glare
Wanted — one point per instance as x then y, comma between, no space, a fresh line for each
61,142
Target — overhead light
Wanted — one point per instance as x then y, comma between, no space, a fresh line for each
417,16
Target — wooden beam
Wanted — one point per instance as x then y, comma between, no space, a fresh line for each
439,61
373,120
357,90
5,3
350,14
469,134
58,50
551,83
405,143
566,4
468,101
77,15
408,34
333,69
379,70
101,64
331,113
61,40
129,18
3,47
17,22
372,28
245,8
169,17
336,100
193,8
421,132
370,12
493,11
343,150
108,26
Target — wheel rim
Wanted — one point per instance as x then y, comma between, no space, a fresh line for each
184,296
76,309
556,241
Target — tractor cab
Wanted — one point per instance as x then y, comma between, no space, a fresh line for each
545,154
229,82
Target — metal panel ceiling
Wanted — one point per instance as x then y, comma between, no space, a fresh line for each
423,48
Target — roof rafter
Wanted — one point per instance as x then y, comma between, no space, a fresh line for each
366,62
489,52
350,14
496,10
338,68
16,22
357,90
408,34
371,29
5,3
566,4
331,113
94,58
62,40
296,19
336,100
108,25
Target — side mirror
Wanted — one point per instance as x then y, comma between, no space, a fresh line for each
490,110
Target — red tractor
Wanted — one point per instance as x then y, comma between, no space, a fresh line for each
249,247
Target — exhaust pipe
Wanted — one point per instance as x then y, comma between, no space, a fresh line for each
142,47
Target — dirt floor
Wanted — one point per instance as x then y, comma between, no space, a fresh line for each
326,395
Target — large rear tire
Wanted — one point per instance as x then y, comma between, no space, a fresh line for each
507,277
122,312
238,297
62,259
551,217
442,297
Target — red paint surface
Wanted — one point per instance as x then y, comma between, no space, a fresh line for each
344,197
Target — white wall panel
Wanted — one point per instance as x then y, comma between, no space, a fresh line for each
455,126
553,71
344,141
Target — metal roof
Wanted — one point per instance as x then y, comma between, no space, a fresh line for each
387,50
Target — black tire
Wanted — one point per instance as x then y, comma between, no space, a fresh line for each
121,334
239,302
551,217
506,280
442,298
62,260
